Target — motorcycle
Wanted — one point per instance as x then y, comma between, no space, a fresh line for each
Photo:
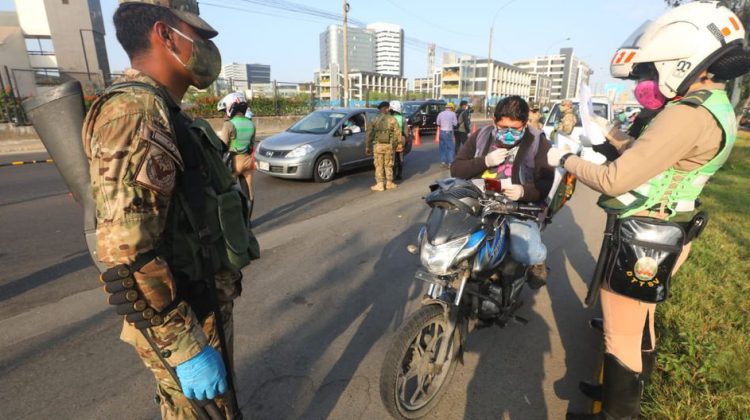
473,282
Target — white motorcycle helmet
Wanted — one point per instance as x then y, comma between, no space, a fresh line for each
396,106
681,44
227,102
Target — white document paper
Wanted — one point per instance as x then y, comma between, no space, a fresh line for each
592,134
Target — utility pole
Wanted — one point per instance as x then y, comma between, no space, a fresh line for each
346,56
489,69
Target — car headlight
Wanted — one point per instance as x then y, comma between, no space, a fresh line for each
300,151
438,258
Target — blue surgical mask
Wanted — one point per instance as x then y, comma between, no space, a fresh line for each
509,136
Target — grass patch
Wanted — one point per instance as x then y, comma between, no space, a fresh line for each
703,367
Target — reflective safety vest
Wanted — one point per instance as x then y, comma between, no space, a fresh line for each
245,129
677,190
400,120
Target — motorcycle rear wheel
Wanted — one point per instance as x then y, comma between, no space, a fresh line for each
412,381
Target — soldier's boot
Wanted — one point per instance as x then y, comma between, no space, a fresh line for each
537,276
390,185
378,187
648,361
621,393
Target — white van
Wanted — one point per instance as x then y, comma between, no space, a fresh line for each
601,105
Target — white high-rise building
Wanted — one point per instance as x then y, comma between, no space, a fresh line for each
565,69
389,48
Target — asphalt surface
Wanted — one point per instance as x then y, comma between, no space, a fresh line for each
316,316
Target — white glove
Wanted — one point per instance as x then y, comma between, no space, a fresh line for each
602,123
513,191
553,156
495,158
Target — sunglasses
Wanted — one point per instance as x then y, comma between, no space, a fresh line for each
513,131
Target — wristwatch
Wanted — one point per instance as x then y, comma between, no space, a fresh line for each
565,157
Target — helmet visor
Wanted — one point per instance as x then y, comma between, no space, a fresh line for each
632,41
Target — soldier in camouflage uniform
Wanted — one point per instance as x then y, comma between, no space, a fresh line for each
385,137
568,118
138,165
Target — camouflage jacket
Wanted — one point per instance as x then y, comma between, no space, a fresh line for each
132,149
567,122
384,129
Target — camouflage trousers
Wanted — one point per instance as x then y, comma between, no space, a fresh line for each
383,157
173,404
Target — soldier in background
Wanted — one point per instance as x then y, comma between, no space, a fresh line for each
535,117
568,119
385,138
150,172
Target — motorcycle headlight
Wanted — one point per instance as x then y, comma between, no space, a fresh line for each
438,258
300,151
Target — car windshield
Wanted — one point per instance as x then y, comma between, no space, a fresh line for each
318,122
411,108
599,109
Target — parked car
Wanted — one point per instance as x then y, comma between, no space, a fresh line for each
602,107
423,114
319,145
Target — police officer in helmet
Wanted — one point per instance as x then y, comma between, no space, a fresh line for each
681,62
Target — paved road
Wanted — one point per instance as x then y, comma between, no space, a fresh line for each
315,318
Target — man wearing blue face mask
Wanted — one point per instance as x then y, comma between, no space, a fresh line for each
514,153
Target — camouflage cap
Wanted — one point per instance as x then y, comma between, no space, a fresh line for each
185,10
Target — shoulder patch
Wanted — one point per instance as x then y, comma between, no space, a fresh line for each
696,98
157,170
163,141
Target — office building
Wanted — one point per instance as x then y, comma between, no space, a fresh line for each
565,69
361,85
241,76
466,77
361,44
389,48
540,89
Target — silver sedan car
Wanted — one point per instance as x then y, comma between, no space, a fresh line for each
318,146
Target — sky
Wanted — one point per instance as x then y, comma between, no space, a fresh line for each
253,31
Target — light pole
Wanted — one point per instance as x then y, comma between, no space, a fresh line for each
546,52
489,55
83,45
346,56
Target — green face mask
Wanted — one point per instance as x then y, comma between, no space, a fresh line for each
204,62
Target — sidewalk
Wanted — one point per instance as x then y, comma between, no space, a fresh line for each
9,147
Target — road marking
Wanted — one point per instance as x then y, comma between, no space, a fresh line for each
26,162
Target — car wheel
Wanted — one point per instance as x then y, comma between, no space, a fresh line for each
324,169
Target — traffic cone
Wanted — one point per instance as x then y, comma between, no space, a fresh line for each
417,141
437,136
473,128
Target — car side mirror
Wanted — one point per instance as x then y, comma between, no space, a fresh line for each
346,132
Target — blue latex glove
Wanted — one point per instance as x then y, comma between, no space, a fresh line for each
203,376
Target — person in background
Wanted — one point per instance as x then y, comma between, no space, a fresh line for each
464,124
446,122
238,133
535,118
568,119
384,138
516,154
398,158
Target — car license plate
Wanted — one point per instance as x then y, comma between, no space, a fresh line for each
264,166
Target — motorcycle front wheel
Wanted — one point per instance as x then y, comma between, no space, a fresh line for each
412,380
